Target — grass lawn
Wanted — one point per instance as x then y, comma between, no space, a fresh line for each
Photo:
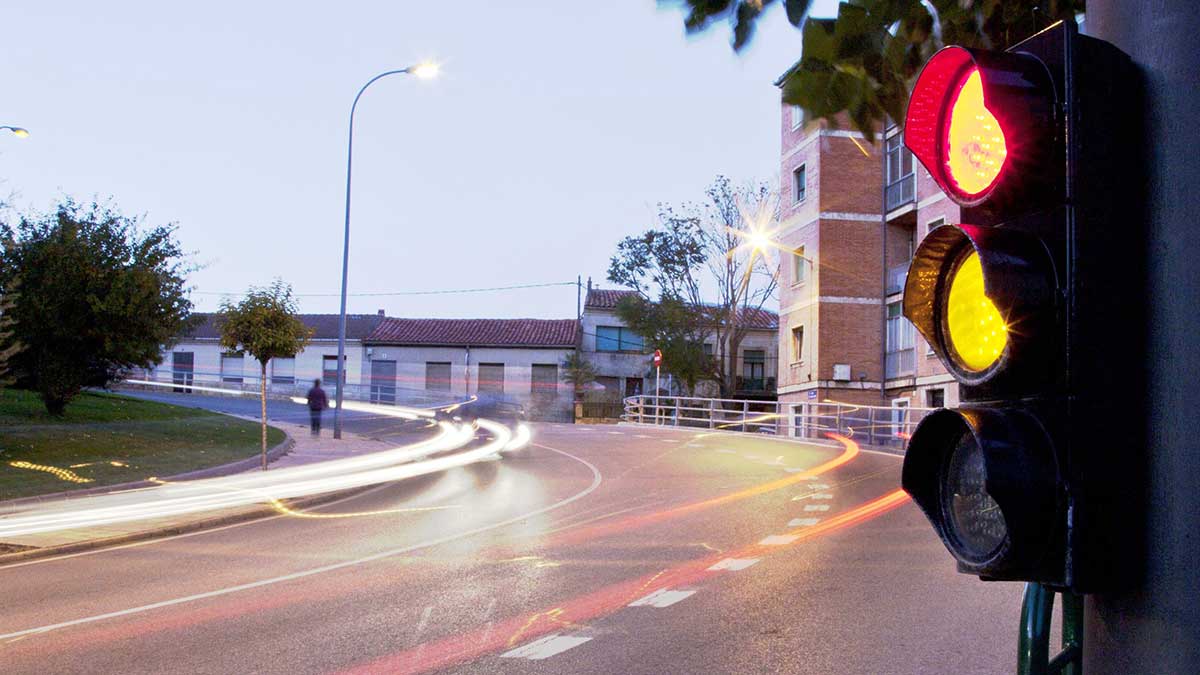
105,439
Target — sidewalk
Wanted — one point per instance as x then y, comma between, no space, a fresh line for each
306,449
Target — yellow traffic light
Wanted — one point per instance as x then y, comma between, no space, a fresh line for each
977,331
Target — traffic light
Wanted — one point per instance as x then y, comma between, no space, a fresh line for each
1030,303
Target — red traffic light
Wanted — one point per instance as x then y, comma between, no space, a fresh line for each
983,122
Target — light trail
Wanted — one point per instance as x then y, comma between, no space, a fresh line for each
175,499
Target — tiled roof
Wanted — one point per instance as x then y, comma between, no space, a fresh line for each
477,332
761,319
606,298
325,326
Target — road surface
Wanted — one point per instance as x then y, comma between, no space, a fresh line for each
600,549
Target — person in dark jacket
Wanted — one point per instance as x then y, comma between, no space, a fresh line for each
317,403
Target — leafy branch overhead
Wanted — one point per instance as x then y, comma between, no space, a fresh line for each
862,63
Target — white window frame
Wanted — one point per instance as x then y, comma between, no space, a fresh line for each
801,168
797,349
797,114
799,263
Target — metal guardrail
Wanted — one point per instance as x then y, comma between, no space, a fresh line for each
869,425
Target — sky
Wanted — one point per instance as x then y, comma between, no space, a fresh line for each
553,131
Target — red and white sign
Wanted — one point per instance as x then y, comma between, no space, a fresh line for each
657,358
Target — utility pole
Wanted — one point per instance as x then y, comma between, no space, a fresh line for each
1154,625
579,297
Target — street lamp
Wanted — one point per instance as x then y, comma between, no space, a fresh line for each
19,132
424,71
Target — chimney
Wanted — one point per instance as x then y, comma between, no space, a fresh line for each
380,312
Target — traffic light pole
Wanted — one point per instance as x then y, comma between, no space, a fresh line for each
1154,626
1033,647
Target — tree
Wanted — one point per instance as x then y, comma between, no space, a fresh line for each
99,296
9,347
578,371
677,330
863,62
264,324
708,260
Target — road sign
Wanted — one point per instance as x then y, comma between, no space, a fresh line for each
657,358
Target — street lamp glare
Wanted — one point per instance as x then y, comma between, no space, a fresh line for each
759,240
426,70
21,133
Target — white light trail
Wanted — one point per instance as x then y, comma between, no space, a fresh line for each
174,499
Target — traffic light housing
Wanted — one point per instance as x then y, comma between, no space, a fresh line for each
1022,302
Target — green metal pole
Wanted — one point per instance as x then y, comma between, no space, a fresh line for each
1033,646
1072,633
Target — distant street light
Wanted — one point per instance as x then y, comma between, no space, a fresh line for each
19,132
424,71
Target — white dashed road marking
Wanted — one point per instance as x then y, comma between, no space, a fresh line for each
641,436
727,451
545,647
817,507
823,495
803,522
663,597
794,469
778,540
733,564
616,433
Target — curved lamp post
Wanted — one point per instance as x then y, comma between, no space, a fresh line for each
19,132
423,71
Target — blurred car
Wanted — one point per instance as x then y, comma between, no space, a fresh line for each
503,409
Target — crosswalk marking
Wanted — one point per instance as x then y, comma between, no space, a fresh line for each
545,647
817,507
733,564
778,540
803,522
663,597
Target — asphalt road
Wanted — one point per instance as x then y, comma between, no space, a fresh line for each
739,554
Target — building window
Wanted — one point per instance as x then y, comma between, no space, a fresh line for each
543,379
899,160
799,266
798,344
283,371
491,377
231,367
754,365
437,375
797,115
901,340
617,339
935,223
935,398
329,367
799,184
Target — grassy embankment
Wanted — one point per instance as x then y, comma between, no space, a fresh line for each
105,439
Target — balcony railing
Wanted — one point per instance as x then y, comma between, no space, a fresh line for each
896,276
901,192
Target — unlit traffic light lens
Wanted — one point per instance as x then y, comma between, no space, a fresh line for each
976,329
976,523
975,147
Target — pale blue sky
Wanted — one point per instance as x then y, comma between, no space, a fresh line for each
554,130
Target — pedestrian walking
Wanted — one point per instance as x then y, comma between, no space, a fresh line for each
317,403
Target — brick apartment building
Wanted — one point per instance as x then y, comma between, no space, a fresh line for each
852,214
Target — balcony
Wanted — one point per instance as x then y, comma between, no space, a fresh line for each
896,276
900,193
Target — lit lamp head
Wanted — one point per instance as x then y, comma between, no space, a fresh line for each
19,132
978,295
982,124
426,70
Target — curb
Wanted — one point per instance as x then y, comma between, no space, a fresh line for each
256,513
898,452
282,448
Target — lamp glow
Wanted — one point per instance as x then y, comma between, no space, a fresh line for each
426,70
977,332
975,147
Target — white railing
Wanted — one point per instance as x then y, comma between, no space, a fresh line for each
881,426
